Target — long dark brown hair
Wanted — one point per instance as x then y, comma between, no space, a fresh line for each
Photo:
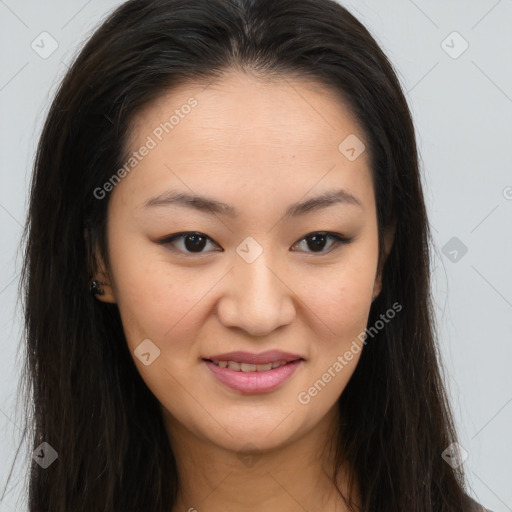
85,396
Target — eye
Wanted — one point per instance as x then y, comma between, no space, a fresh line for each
189,242
193,242
319,240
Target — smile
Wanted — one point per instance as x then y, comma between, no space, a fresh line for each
250,378
248,367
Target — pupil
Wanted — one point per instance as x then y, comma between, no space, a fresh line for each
198,242
318,242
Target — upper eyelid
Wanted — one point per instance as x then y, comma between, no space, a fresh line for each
338,239
169,239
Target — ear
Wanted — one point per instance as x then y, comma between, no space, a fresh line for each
98,270
389,237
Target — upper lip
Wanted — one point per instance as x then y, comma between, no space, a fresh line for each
271,356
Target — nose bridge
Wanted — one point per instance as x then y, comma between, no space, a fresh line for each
257,278
257,299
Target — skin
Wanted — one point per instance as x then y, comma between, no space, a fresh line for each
259,146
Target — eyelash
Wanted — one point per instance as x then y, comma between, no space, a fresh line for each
338,240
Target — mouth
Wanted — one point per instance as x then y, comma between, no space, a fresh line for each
248,367
253,373
250,362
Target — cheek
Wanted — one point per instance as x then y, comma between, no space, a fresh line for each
155,300
342,301
344,298
343,304
341,295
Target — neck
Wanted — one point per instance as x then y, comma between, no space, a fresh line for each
290,478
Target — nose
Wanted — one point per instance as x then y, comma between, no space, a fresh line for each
257,297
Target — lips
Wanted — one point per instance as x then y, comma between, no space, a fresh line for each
271,356
254,373
249,367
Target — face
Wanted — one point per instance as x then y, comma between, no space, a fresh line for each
256,270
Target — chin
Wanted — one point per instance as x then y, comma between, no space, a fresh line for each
249,438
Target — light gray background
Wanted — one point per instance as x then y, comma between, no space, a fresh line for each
462,109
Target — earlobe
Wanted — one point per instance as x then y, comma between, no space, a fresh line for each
102,290
100,285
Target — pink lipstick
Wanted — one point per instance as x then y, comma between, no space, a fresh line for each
253,373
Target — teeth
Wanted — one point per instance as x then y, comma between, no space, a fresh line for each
249,368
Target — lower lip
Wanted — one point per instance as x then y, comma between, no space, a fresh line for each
254,382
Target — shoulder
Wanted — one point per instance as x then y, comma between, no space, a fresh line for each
473,506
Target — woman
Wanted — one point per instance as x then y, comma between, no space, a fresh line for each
237,184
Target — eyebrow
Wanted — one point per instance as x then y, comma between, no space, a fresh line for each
212,206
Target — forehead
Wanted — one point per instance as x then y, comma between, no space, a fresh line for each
297,111
281,135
